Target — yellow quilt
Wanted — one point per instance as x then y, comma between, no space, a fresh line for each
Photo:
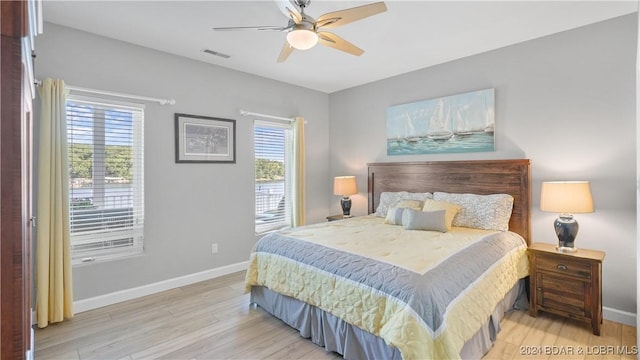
424,292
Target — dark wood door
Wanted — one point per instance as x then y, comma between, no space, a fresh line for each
15,183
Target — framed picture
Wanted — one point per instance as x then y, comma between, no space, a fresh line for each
203,139
451,124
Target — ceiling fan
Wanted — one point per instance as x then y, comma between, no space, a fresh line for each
304,31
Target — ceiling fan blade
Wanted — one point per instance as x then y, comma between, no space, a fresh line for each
259,28
286,51
338,18
336,42
290,10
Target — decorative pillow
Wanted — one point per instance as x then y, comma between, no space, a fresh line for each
388,199
451,209
412,204
394,215
489,212
424,220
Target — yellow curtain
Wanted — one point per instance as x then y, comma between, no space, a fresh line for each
54,290
299,173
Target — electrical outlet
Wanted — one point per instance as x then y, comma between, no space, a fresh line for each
214,248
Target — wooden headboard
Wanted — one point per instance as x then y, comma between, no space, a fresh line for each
474,177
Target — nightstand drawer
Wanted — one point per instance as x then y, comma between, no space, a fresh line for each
564,266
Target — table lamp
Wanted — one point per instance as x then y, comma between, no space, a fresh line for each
345,186
566,198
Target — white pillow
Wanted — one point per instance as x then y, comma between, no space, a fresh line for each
424,220
413,204
489,212
388,199
394,215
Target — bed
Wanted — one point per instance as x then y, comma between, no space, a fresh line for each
369,289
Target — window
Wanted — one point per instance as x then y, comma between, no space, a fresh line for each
106,191
273,146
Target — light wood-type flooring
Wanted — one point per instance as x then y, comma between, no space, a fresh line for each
213,320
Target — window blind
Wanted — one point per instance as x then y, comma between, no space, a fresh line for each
273,146
106,177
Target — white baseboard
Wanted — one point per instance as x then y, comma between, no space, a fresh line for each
620,316
129,294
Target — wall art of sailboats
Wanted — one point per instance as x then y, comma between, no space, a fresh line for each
462,127
410,134
451,124
440,123
489,120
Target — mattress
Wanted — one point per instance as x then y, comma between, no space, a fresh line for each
423,293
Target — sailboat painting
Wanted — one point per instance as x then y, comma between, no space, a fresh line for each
452,124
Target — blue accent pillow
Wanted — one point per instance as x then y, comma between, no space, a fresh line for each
424,220
394,216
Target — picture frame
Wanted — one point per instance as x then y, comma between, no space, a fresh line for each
457,123
204,139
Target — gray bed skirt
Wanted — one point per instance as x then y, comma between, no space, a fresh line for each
352,342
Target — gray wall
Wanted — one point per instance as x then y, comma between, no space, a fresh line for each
566,101
188,206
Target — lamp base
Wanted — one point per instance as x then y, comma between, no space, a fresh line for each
567,250
566,229
345,203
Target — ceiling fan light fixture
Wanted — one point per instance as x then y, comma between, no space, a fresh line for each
302,39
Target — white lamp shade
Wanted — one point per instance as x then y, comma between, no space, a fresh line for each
345,185
566,197
302,39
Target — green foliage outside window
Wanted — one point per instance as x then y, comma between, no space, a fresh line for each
118,158
80,161
267,170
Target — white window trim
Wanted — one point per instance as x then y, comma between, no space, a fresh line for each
136,232
287,221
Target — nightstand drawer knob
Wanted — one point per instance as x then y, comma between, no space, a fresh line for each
562,267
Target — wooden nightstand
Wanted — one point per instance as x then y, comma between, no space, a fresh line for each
567,284
336,217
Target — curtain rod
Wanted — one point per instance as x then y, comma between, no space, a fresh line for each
248,113
116,94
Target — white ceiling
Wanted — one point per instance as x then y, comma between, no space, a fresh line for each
411,35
